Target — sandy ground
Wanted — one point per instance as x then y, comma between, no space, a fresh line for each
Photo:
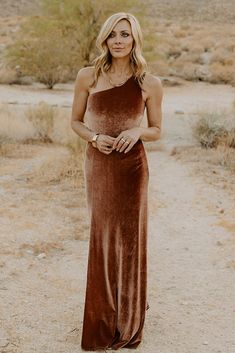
44,241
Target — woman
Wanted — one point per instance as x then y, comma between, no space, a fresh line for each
109,102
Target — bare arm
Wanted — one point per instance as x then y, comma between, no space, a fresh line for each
84,79
79,105
154,111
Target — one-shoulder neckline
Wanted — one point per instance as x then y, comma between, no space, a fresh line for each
109,89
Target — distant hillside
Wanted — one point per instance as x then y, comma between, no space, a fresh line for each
215,11
190,39
18,7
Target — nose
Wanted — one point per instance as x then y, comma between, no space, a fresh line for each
118,39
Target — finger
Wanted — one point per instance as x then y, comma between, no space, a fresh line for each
107,147
129,147
108,143
116,142
120,144
110,139
106,152
125,145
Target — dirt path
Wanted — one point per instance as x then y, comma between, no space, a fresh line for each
43,254
191,281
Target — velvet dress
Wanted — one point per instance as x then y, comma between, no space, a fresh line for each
117,193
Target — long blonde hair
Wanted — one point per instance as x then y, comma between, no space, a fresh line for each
103,61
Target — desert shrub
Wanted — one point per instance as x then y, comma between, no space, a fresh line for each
41,51
8,75
220,55
59,166
51,47
42,118
215,128
14,126
187,71
222,73
180,33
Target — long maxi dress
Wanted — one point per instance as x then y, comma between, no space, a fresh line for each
117,192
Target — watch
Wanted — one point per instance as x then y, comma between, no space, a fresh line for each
94,140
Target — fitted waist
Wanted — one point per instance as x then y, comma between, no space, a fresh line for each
135,150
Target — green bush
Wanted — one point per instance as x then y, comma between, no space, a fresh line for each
53,46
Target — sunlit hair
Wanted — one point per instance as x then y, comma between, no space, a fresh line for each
103,61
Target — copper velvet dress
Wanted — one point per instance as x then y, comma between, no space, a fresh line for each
116,190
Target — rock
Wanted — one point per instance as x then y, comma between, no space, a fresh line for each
41,256
205,343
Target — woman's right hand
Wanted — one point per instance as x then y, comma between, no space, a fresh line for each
104,143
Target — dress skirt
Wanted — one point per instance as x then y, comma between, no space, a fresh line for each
116,288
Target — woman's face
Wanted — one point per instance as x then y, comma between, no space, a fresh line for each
120,40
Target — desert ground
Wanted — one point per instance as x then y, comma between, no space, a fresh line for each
44,237
44,229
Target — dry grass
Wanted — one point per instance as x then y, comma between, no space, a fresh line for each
195,52
214,156
42,118
15,150
180,40
8,75
39,123
40,247
215,165
215,128
58,165
14,126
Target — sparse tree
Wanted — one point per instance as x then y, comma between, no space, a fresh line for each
51,47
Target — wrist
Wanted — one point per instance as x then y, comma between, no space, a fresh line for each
139,132
94,139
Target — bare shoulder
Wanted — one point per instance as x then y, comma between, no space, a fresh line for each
85,77
152,85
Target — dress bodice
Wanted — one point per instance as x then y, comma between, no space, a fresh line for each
115,109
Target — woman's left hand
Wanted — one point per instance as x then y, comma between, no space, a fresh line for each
126,140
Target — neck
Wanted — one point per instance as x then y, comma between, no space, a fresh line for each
120,66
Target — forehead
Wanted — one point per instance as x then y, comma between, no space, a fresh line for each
122,25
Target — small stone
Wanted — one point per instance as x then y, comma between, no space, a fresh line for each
179,111
184,303
219,243
205,343
41,256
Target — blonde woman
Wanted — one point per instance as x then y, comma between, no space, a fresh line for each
109,102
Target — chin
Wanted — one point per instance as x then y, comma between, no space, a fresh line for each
119,55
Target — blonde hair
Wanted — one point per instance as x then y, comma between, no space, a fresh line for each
103,61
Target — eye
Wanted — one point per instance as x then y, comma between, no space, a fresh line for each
111,35
125,34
